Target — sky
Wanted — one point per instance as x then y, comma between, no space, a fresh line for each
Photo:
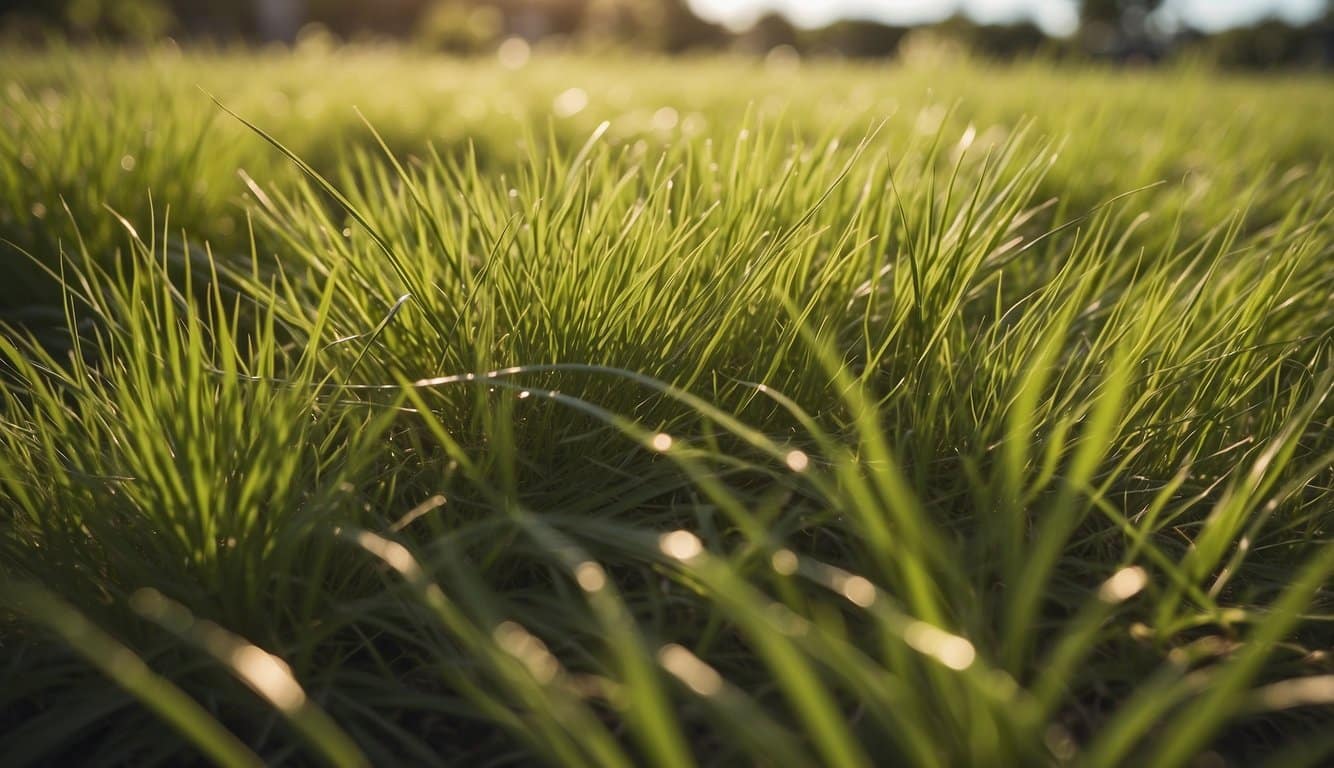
1055,16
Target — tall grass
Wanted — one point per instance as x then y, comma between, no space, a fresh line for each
837,422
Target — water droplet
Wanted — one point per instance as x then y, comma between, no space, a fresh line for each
689,669
1123,585
782,60
682,545
269,675
798,461
590,576
514,53
859,591
570,102
665,119
528,649
951,650
969,135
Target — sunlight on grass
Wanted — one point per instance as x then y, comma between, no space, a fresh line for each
617,416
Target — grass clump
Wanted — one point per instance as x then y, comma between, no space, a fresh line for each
938,427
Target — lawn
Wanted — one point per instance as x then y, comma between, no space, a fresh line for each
361,407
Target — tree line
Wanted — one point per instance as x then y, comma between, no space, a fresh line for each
1115,30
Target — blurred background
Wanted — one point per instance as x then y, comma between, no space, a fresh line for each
1254,34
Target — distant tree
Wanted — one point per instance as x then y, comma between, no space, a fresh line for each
767,33
279,19
1269,44
1114,11
682,30
616,22
351,18
459,26
858,39
993,41
123,20
216,19
1121,29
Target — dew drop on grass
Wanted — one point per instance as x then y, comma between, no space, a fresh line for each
590,576
665,119
269,675
969,135
785,562
1123,585
661,442
782,60
570,102
681,545
859,591
689,669
514,53
951,650
127,163
528,649
798,461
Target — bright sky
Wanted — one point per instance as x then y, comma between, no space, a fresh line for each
1055,16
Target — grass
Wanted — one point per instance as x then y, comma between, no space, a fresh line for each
928,414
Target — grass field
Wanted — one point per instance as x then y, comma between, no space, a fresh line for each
361,408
